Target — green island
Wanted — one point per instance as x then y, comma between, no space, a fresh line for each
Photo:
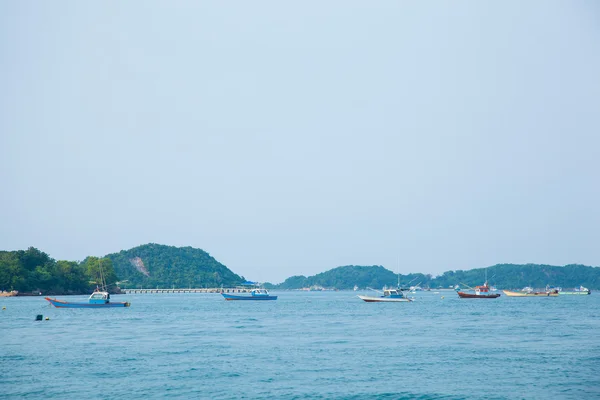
152,265
500,275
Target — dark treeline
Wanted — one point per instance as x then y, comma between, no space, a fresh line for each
33,271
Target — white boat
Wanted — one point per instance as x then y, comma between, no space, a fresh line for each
355,288
387,296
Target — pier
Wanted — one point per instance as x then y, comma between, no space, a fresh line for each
189,290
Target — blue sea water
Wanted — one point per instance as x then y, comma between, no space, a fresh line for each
305,345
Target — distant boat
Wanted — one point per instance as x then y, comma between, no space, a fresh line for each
529,292
255,294
355,288
577,291
388,296
481,292
99,299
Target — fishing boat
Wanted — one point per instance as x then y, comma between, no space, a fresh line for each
255,294
387,296
481,292
528,292
100,298
577,291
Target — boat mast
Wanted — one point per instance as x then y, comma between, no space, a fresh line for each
398,273
102,281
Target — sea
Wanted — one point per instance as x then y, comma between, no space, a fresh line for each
305,345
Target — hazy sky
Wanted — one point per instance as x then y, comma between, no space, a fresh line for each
289,138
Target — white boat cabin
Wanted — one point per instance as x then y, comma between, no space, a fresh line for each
393,293
482,290
99,298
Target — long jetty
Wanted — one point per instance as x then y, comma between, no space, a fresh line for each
188,290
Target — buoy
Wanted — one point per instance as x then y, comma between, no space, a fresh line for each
4,308
39,317
47,318
442,297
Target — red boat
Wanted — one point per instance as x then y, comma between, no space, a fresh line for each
481,292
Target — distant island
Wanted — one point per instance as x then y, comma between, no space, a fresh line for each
501,275
152,265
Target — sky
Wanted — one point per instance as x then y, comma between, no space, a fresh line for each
289,138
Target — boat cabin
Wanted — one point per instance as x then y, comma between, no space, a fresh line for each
259,292
393,293
99,298
484,289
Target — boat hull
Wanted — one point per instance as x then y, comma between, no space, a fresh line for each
464,295
65,304
259,298
535,294
370,299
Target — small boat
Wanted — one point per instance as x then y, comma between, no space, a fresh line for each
531,293
98,299
481,292
355,288
255,294
577,291
388,296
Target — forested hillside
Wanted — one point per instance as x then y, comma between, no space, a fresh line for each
152,265
347,276
33,271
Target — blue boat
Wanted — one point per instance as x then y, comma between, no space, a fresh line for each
97,300
255,294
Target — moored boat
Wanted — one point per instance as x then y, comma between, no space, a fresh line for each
255,294
547,293
388,296
98,299
481,292
577,291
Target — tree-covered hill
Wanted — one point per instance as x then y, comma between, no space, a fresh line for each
505,276
347,276
152,265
